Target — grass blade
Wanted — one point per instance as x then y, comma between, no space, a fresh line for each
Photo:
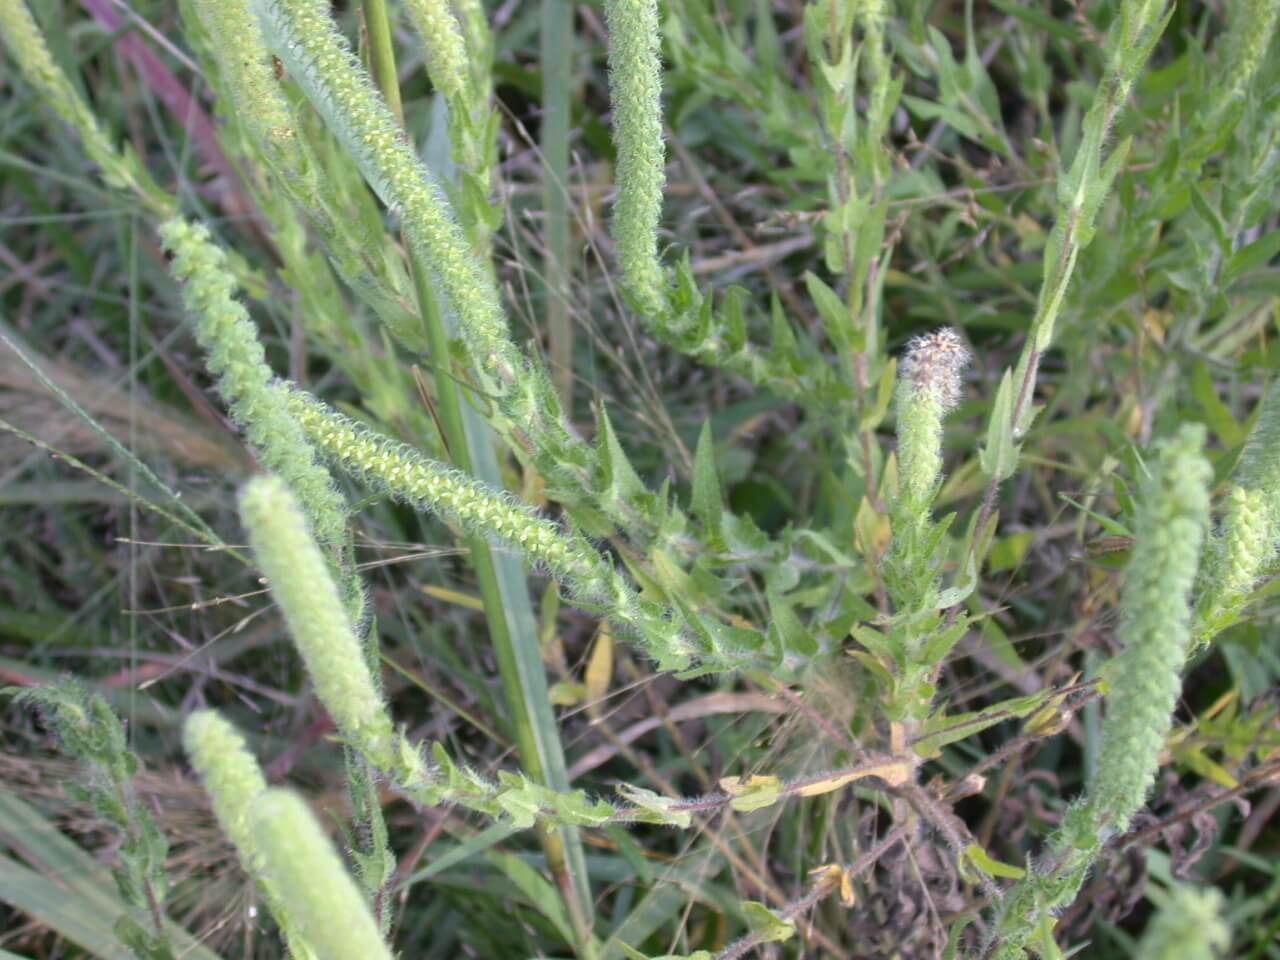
65,888
557,82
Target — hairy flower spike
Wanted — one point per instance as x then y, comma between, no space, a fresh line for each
929,385
446,49
1239,556
245,65
1145,678
318,56
477,508
1245,546
935,363
233,780
231,775
635,90
1143,682
235,355
300,861
300,583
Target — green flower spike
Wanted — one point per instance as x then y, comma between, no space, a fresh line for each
299,581
234,782
299,860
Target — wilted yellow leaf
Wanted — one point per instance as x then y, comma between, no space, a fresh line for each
895,774
599,669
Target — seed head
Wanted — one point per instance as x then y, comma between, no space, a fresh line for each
934,362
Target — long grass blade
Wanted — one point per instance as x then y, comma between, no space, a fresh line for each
557,83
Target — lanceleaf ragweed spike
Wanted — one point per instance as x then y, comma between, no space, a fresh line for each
484,511
300,582
245,381
1245,547
1143,683
298,860
929,386
234,782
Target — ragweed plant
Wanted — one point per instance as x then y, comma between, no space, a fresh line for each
90,731
827,241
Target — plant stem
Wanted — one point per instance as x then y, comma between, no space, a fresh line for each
381,52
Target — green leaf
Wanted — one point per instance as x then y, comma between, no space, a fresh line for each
708,505
1097,190
1200,203
1113,527
960,591
1007,552
1216,413
540,891
619,478
833,311
631,953
65,888
974,856
766,926
657,808
999,457
79,919
943,729
789,631
144,943
941,642
1251,257
752,793
884,395
958,121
